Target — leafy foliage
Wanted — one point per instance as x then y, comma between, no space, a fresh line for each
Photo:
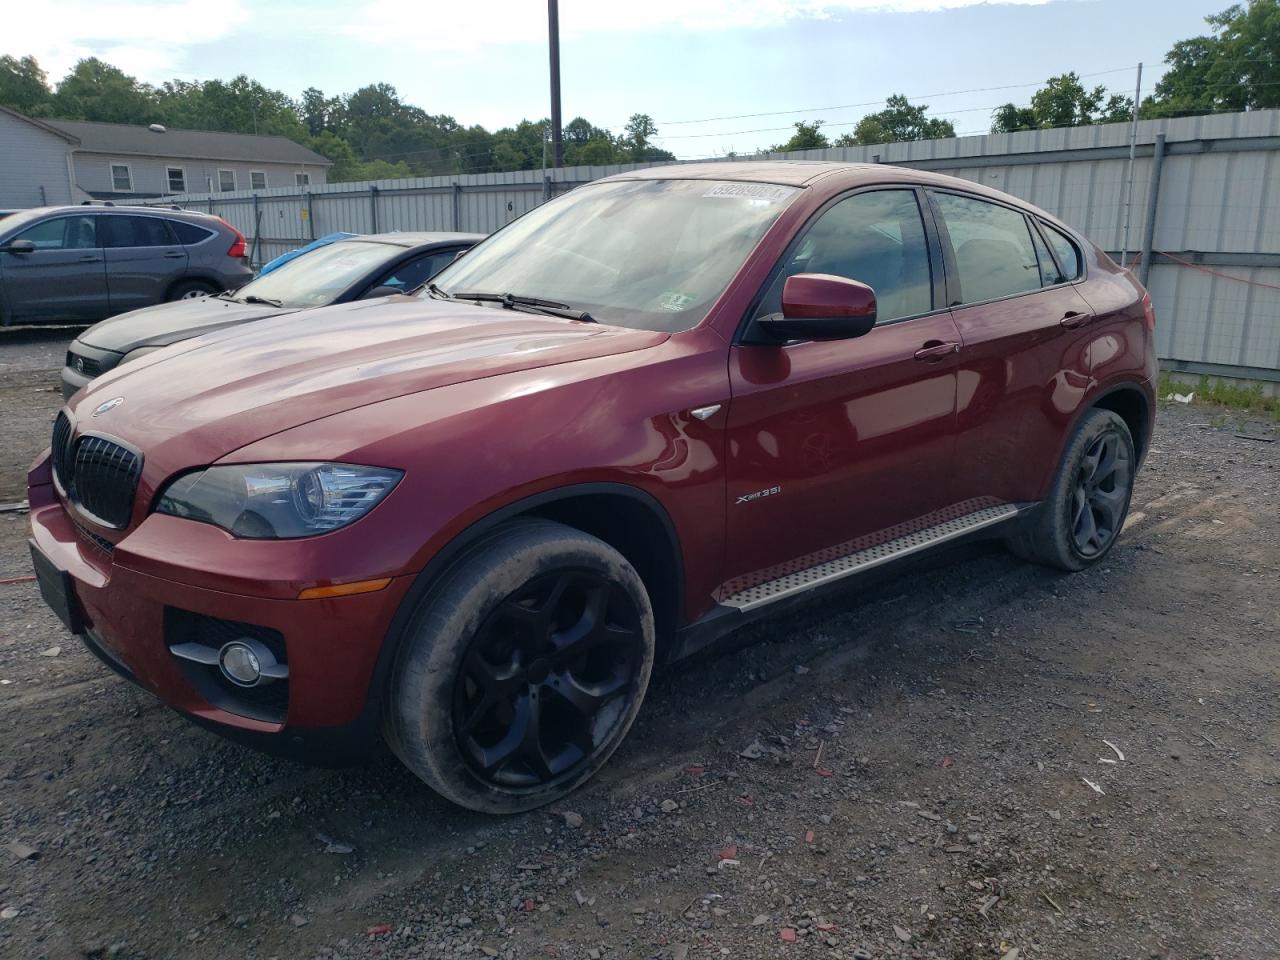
898,121
1063,102
369,134
808,136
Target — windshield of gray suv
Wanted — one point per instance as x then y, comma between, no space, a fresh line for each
317,278
652,254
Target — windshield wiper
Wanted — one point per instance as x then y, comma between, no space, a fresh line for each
436,292
511,301
253,298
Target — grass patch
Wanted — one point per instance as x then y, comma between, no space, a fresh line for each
1244,395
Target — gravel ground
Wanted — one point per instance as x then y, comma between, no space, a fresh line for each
919,768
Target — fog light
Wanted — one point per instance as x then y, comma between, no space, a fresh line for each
240,664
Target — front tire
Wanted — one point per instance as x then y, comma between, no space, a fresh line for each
1079,522
522,670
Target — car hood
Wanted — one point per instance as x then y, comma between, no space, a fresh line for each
168,323
200,400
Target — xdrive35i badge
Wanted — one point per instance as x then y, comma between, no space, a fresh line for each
107,405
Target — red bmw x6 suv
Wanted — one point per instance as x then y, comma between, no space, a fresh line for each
669,401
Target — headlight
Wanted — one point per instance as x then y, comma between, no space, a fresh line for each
276,501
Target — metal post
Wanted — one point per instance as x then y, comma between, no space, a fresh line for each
1153,196
553,34
546,188
1133,146
457,206
373,207
311,216
257,232
211,203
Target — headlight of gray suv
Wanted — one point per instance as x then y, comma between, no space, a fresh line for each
277,501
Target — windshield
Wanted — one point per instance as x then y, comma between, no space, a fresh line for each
317,278
652,254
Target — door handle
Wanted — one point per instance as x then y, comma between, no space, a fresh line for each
1073,319
174,255
89,258
935,350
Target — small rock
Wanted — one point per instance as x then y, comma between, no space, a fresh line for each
787,934
759,920
490,952
670,806
51,652
1011,955
927,815
298,920
801,669
8,913
23,851
902,933
754,750
463,921
572,819
680,951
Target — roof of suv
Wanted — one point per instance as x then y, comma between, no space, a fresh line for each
413,238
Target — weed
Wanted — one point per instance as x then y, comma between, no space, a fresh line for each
1245,395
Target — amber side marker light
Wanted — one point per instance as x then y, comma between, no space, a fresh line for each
344,589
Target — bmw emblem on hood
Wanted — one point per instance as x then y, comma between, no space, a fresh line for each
107,405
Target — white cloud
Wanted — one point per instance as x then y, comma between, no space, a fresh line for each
466,26
145,38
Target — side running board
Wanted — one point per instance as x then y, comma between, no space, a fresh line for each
846,566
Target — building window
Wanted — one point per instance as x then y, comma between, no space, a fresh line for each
302,179
177,179
121,178
226,180
257,180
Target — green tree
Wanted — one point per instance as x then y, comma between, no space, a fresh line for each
95,90
1235,67
640,130
898,121
23,85
1063,101
808,136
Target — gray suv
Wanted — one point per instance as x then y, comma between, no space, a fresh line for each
81,264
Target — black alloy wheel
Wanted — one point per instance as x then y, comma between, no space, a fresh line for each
547,679
1100,499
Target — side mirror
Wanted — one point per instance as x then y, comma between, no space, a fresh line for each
19,247
383,291
819,306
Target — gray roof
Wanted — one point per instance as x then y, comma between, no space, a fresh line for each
127,139
38,123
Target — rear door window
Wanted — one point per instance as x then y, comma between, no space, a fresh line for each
418,271
1049,275
62,233
992,246
876,238
121,231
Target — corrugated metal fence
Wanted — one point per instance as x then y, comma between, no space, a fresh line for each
1214,248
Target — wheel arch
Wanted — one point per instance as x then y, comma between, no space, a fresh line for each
629,519
1131,404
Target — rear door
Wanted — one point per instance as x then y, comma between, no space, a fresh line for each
1024,366
832,445
144,259
63,278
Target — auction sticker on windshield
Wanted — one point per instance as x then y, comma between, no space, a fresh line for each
768,192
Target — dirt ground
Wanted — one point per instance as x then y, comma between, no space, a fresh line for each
927,772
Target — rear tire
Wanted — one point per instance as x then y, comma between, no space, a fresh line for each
1081,519
191,290
522,670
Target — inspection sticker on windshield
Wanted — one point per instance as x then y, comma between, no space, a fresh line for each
767,192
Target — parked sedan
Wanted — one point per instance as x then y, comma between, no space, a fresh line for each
354,269
81,264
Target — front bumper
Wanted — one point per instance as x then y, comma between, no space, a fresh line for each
127,619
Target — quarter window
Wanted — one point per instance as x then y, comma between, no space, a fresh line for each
226,180
994,254
121,178
1067,251
257,180
189,233
1049,275
177,179
877,238
62,233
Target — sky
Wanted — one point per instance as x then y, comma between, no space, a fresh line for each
759,64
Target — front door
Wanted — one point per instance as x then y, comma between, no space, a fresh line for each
62,278
834,446
144,260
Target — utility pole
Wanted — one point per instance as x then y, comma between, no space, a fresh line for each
1133,147
553,33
